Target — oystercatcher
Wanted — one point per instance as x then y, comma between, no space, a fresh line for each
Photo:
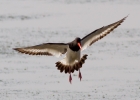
73,60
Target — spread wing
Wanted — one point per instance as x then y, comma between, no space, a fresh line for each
99,34
51,49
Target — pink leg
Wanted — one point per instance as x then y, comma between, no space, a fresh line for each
80,75
70,78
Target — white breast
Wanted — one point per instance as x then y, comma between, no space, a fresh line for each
71,57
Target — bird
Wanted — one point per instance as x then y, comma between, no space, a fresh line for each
73,60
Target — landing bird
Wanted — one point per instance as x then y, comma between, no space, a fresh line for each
73,60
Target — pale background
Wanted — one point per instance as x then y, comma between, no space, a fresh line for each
112,70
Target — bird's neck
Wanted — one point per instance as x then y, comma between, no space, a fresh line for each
74,47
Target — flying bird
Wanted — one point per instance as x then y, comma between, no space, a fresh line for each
73,60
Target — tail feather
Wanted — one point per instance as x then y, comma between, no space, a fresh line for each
71,68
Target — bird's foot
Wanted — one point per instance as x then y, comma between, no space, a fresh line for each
70,79
80,75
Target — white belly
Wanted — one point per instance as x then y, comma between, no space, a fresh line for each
71,57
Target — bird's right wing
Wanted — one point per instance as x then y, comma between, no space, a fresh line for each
51,49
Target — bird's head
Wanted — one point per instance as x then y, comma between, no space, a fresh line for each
78,42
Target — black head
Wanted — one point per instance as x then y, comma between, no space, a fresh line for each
75,45
78,40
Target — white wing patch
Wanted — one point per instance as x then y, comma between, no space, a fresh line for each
99,33
53,49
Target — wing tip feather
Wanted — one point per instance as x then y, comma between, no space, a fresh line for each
122,20
17,49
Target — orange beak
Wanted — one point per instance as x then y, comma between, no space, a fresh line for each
79,45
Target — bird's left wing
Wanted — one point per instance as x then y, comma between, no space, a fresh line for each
50,49
99,34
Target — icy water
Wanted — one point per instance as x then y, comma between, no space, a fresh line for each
111,71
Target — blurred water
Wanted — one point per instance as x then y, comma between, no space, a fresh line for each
111,70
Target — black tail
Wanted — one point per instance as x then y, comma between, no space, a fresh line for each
71,69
